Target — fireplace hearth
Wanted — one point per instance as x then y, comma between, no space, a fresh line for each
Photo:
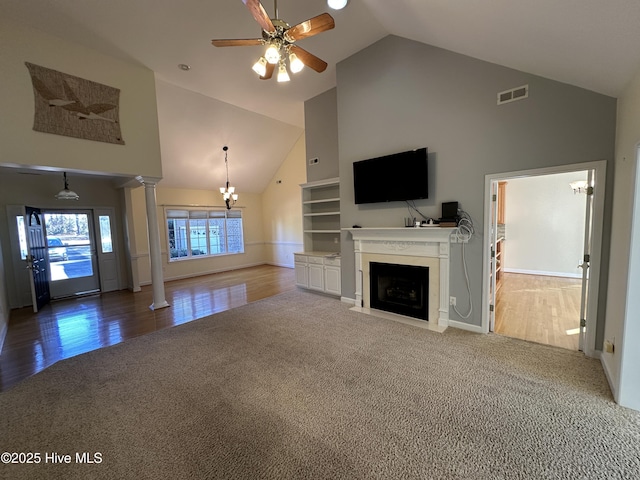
401,289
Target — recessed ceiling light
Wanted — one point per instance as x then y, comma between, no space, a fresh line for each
337,4
184,66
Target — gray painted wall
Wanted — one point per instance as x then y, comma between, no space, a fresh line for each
321,135
399,94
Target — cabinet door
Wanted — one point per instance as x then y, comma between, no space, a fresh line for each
332,280
302,279
316,277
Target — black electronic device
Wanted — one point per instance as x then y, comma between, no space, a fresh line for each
449,211
391,178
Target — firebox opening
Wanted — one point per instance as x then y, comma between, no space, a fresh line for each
401,289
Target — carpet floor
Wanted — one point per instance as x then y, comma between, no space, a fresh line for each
298,386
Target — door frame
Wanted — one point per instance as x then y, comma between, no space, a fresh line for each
68,288
599,168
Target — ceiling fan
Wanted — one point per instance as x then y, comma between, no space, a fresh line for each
281,38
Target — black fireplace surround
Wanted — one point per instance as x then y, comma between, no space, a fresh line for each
401,289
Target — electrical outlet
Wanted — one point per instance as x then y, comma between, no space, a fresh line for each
452,301
609,346
313,161
335,240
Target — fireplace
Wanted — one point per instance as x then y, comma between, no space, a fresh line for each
401,289
422,247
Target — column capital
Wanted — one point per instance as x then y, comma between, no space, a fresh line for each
148,181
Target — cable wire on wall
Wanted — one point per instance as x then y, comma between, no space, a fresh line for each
465,231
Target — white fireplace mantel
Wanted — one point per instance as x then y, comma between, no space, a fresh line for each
405,246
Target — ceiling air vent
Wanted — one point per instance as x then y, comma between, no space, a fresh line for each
513,94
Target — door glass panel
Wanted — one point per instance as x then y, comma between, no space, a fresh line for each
22,238
105,234
69,245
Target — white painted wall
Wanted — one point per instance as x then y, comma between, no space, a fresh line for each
545,223
282,209
623,302
23,146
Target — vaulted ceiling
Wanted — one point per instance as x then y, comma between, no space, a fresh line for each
589,43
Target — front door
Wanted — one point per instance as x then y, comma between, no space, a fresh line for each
72,252
37,258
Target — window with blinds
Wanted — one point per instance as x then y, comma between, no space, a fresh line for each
200,233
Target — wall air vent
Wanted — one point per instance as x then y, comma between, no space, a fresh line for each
513,94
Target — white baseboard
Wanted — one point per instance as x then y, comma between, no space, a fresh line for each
350,301
542,273
465,326
208,272
604,360
284,265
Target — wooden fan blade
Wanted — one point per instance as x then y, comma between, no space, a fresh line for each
240,42
260,14
309,59
270,68
310,27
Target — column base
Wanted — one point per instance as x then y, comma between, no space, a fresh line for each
153,306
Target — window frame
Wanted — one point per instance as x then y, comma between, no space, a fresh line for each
198,214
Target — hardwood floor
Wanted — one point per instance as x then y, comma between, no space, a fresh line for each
539,309
67,328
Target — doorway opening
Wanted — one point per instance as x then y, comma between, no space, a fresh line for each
542,262
79,254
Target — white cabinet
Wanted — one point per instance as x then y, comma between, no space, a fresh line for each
318,271
332,280
302,274
316,274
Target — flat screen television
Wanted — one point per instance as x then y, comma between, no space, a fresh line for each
392,178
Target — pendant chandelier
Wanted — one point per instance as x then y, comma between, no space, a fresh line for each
228,192
66,194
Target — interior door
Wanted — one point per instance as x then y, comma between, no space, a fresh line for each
492,255
37,261
586,259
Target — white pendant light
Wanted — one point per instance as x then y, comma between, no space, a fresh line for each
67,194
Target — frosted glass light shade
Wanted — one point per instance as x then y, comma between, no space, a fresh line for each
272,54
260,67
283,75
295,63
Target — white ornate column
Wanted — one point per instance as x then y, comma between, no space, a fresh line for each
155,255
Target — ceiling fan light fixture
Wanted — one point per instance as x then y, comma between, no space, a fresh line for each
295,63
283,75
260,67
272,54
337,4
